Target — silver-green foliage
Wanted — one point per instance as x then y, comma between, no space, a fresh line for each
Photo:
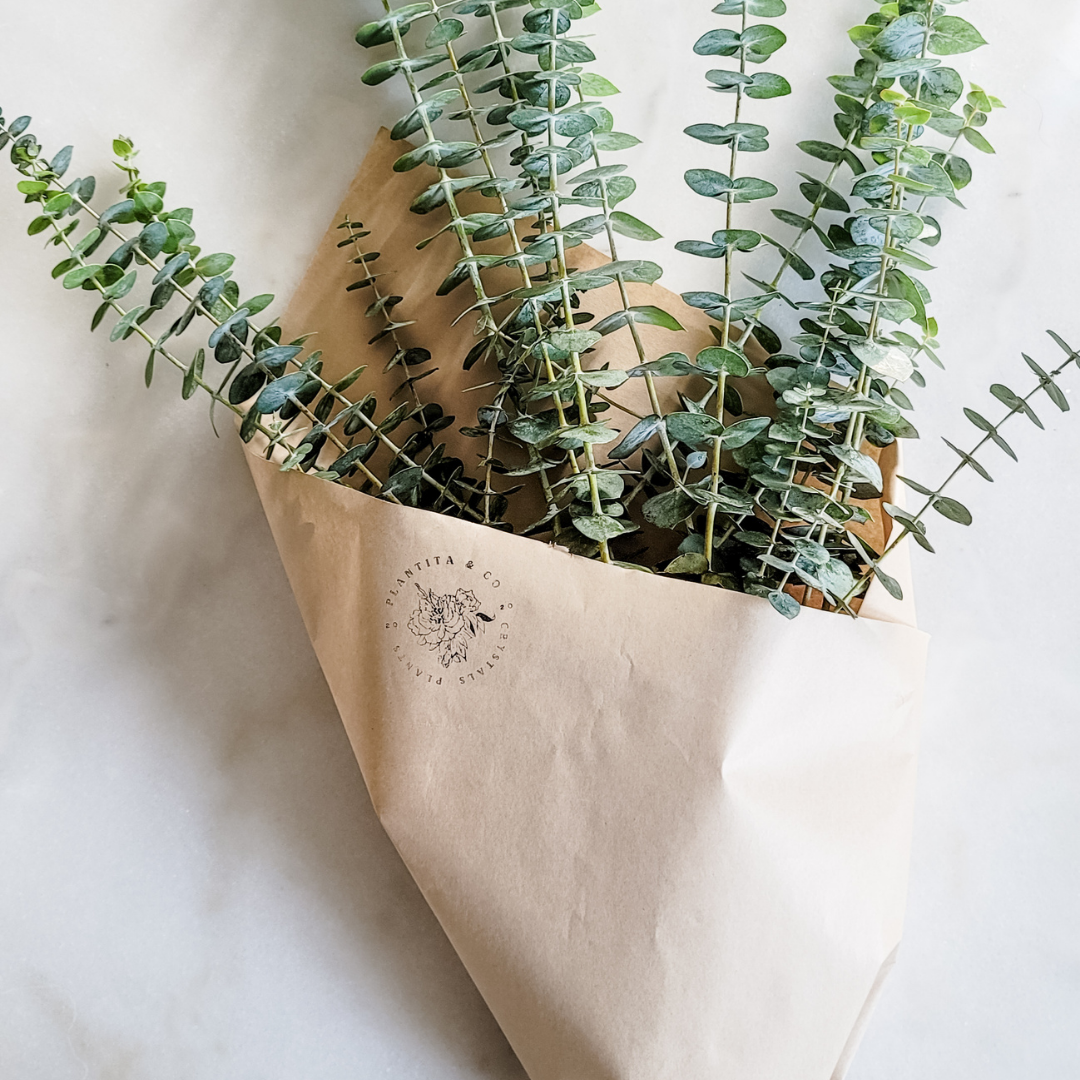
758,503
549,405
275,390
838,384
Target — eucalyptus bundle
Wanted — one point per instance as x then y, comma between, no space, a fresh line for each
512,121
509,120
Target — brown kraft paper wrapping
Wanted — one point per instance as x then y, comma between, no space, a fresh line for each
662,847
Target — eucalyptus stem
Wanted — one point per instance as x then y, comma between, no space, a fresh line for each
912,524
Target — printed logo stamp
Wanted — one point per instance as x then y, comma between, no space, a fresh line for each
449,620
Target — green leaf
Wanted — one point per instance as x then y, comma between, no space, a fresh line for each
62,161
716,360
279,391
736,239
533,430
892,586
889,361
588,433
816,192
760,41
969,461
692,563
863,36
1048,384
604,378
76,278
153,238
122,212
915,486
940,86
934,180
668,510
692,428
747,137
651,315
984,425
793,259
859,463
636,438
628,225
381,32
743,432
249,425
760,85
126,324
193,374
714,184
952,35
1015,402
915,529
803,224
59,203
212,265
787,605
978,140
765,85
148,205
119,289
824,151
1064,345
63,267
258,303
701,248
952,510
404,484
592,85
905,258
837,578
601,526
573,341
637,271
958,170
902,38
902,287
445,31
357,455
608,142
765,9
895,68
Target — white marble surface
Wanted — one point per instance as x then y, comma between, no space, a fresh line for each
192,882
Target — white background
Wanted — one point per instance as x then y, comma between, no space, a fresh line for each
192,882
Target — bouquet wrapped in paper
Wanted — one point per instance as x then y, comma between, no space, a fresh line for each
648,865
610,585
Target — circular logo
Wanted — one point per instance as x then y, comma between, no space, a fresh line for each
448,620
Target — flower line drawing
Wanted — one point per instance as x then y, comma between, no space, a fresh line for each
447,625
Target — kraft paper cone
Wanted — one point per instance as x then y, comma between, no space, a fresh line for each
666,837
